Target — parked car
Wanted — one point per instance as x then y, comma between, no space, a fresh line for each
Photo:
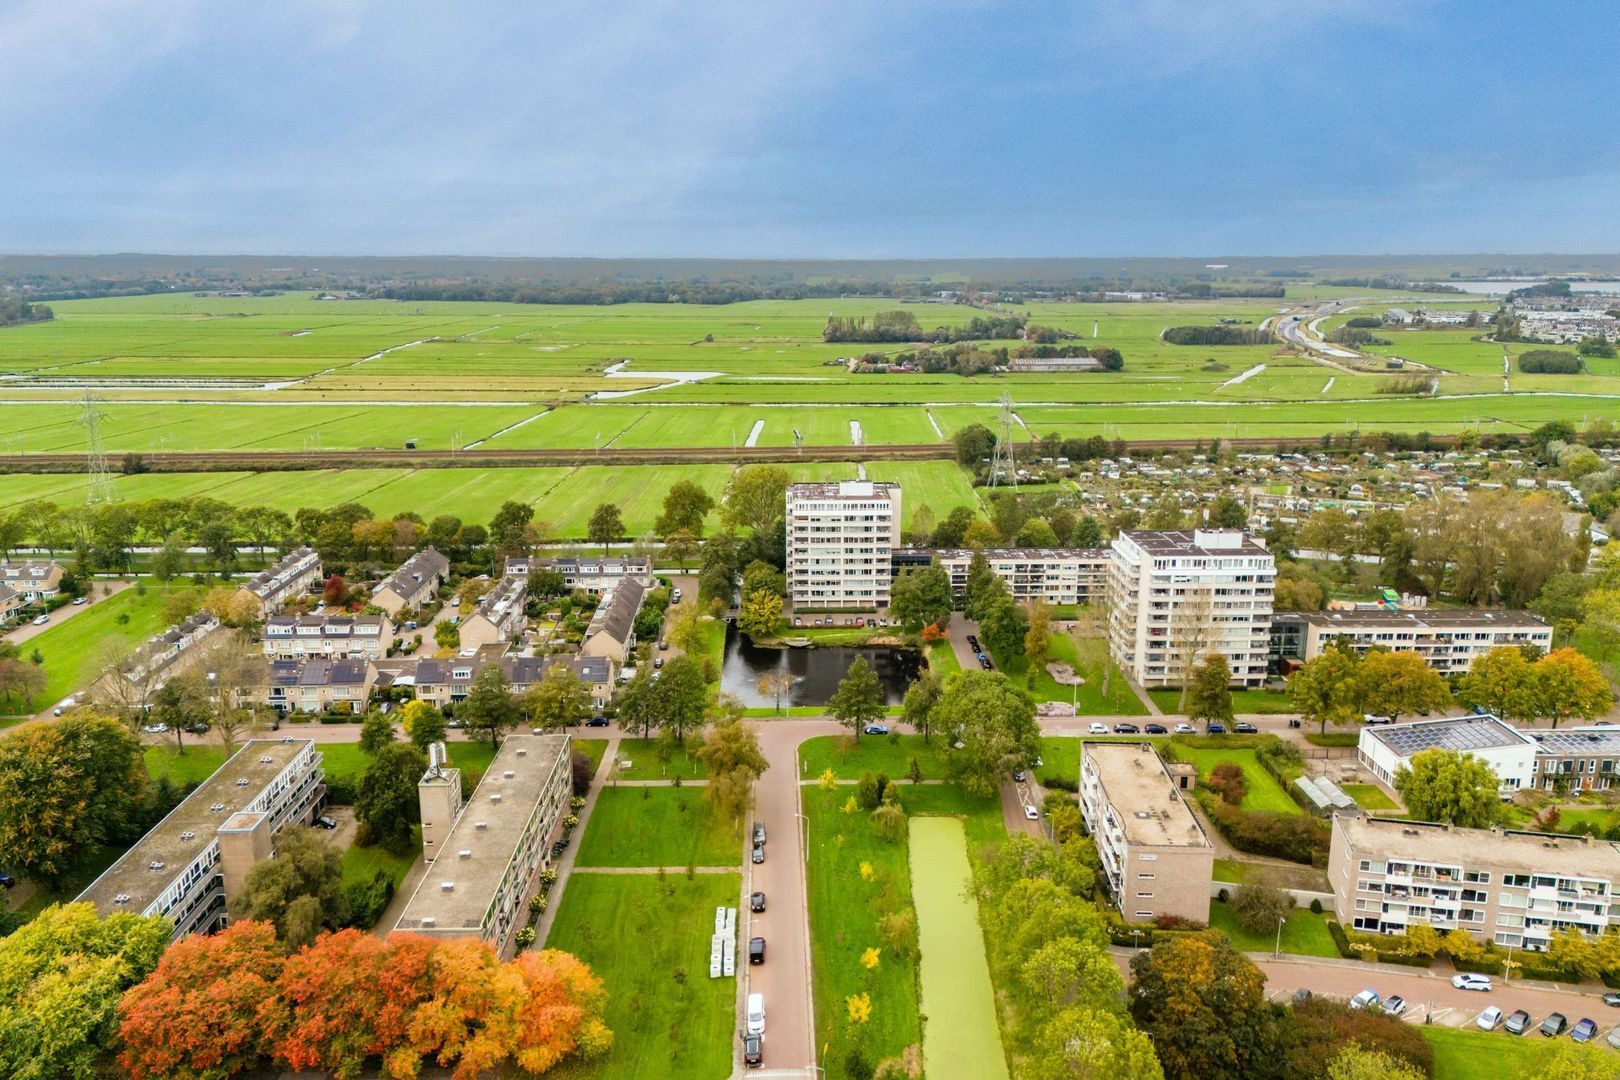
759,833
1613,1038
1471,981
658,662
1374,718
984,662
759,854
1031,813
1185,728
42,620
753,1051
1490,1019
597,721
1554,1025
1364,999
155,729
1612,999
7,881
1156,729
756,1014
1394,1005
1097,728
663,645
1519,1023
1020,775
1584,1029
1243,727
876,729
1216,728
756,902
756,950
676,596
325,822
80,601
1127,729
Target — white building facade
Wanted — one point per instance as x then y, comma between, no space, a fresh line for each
840,538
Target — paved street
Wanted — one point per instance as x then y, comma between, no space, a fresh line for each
27,631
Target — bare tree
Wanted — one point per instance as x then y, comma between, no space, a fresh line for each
1190,630
774,684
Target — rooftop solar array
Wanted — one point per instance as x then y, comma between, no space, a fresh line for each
1578,741
1465,733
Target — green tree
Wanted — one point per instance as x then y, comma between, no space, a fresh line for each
65,788
995,723
61,977
1036,533
489,711
982,589
686,504
1003,628
1038,637
376,732
858,701
1088,532
755,498
1568,684
1209,695
423,723
558,701
679,697
1325,689
386,801
508,529
1395,683
1357,1062
1227,512
1091,1044
1258,906
919,597
980,534
1203,1004
760,615
300,891
973,444
1451,787
1502,682
921,697
605,526
731,753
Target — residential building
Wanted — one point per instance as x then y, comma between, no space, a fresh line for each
1514,888
292,576
840,538
1577,758
313,686
1067,576
441,680
193,861
586,573
1448,640
1386,749
12,603
32,580
1174,597
415,583
1156,859
327,637
595,673
160,656
612,629
499,615
488,860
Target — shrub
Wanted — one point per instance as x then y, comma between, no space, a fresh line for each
1259,906
340,790
1316,905
1549,362
1295,837
1227,781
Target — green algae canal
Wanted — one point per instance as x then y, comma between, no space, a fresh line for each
960,1037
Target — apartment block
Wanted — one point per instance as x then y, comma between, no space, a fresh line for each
190,864
327,637
1068,576
1156,859
499,615
415,583
1448,640
587,574
1513,888
487,860
840,539
1173,597
291,576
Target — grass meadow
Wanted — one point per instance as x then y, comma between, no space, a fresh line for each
1264,791
657,826
79,648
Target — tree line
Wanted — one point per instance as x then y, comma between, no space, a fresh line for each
903,326
15,311
1218,335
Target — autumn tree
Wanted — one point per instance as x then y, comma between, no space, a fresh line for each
424,724
1209,695
1451,787
61,976
731,753
775,685
386,800
858,701
1395,683
1502,683
1203,1005
921,596
1038,637
350,996
65,788
207,1010
760,615
995,723
299,892
1356,1062
1259,906
1567,685
1325,690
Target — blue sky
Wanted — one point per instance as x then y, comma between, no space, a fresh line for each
875,128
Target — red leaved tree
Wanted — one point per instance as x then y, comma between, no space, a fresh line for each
336,591
352,996
211,1007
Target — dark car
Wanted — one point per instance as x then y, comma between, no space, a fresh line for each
984,662
1554,1025
753,1051
876,729
597,721
325,822
759,853
1243,727
1156,729
7,881
759,833
1216,729
1583,1030
1127,729
756,952
756,902
1519,1023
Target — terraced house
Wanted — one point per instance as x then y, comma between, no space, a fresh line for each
587,574
415,583
499,615
192,862
32,580
327,637
291,576
313,686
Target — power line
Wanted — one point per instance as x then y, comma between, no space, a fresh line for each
1003,469
99,480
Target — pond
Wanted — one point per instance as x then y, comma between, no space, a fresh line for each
816,671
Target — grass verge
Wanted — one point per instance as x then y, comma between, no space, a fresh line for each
645,826
1304,934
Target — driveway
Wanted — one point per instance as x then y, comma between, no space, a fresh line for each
27,631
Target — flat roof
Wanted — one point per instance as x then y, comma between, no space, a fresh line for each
1569,742
190,827
845,489
1466,734
1529,852
1035,554
1144,795
488,828
1458,617
1187,542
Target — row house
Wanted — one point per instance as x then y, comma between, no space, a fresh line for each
313,686
415,583
33,580
328,637
499,615
293,575
585,573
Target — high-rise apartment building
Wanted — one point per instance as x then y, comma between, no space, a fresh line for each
839,541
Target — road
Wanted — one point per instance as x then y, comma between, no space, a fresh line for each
27,631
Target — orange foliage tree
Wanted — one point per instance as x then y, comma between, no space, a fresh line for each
352,996
208,1009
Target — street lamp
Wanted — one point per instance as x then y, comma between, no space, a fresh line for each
1277,952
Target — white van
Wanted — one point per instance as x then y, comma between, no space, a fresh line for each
756,1014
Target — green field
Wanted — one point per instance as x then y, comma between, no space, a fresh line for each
1469,1054
1264,791
889,754
642,756
662,826
961,1036
1088,697
648,941
1304,934
78,649
1370,797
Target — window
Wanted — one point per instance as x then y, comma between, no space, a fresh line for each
1147,877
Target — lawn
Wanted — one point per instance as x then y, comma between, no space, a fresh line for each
1370,797
1061,754
79,648
343,760
593,749
1088,698
1264,791
942,658
891,754
1469,1054
668,1017
1231,871
646,826
845,907
642,754
1304,934
362,863
1244,702
961,1037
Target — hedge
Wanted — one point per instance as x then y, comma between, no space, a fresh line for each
1295,837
